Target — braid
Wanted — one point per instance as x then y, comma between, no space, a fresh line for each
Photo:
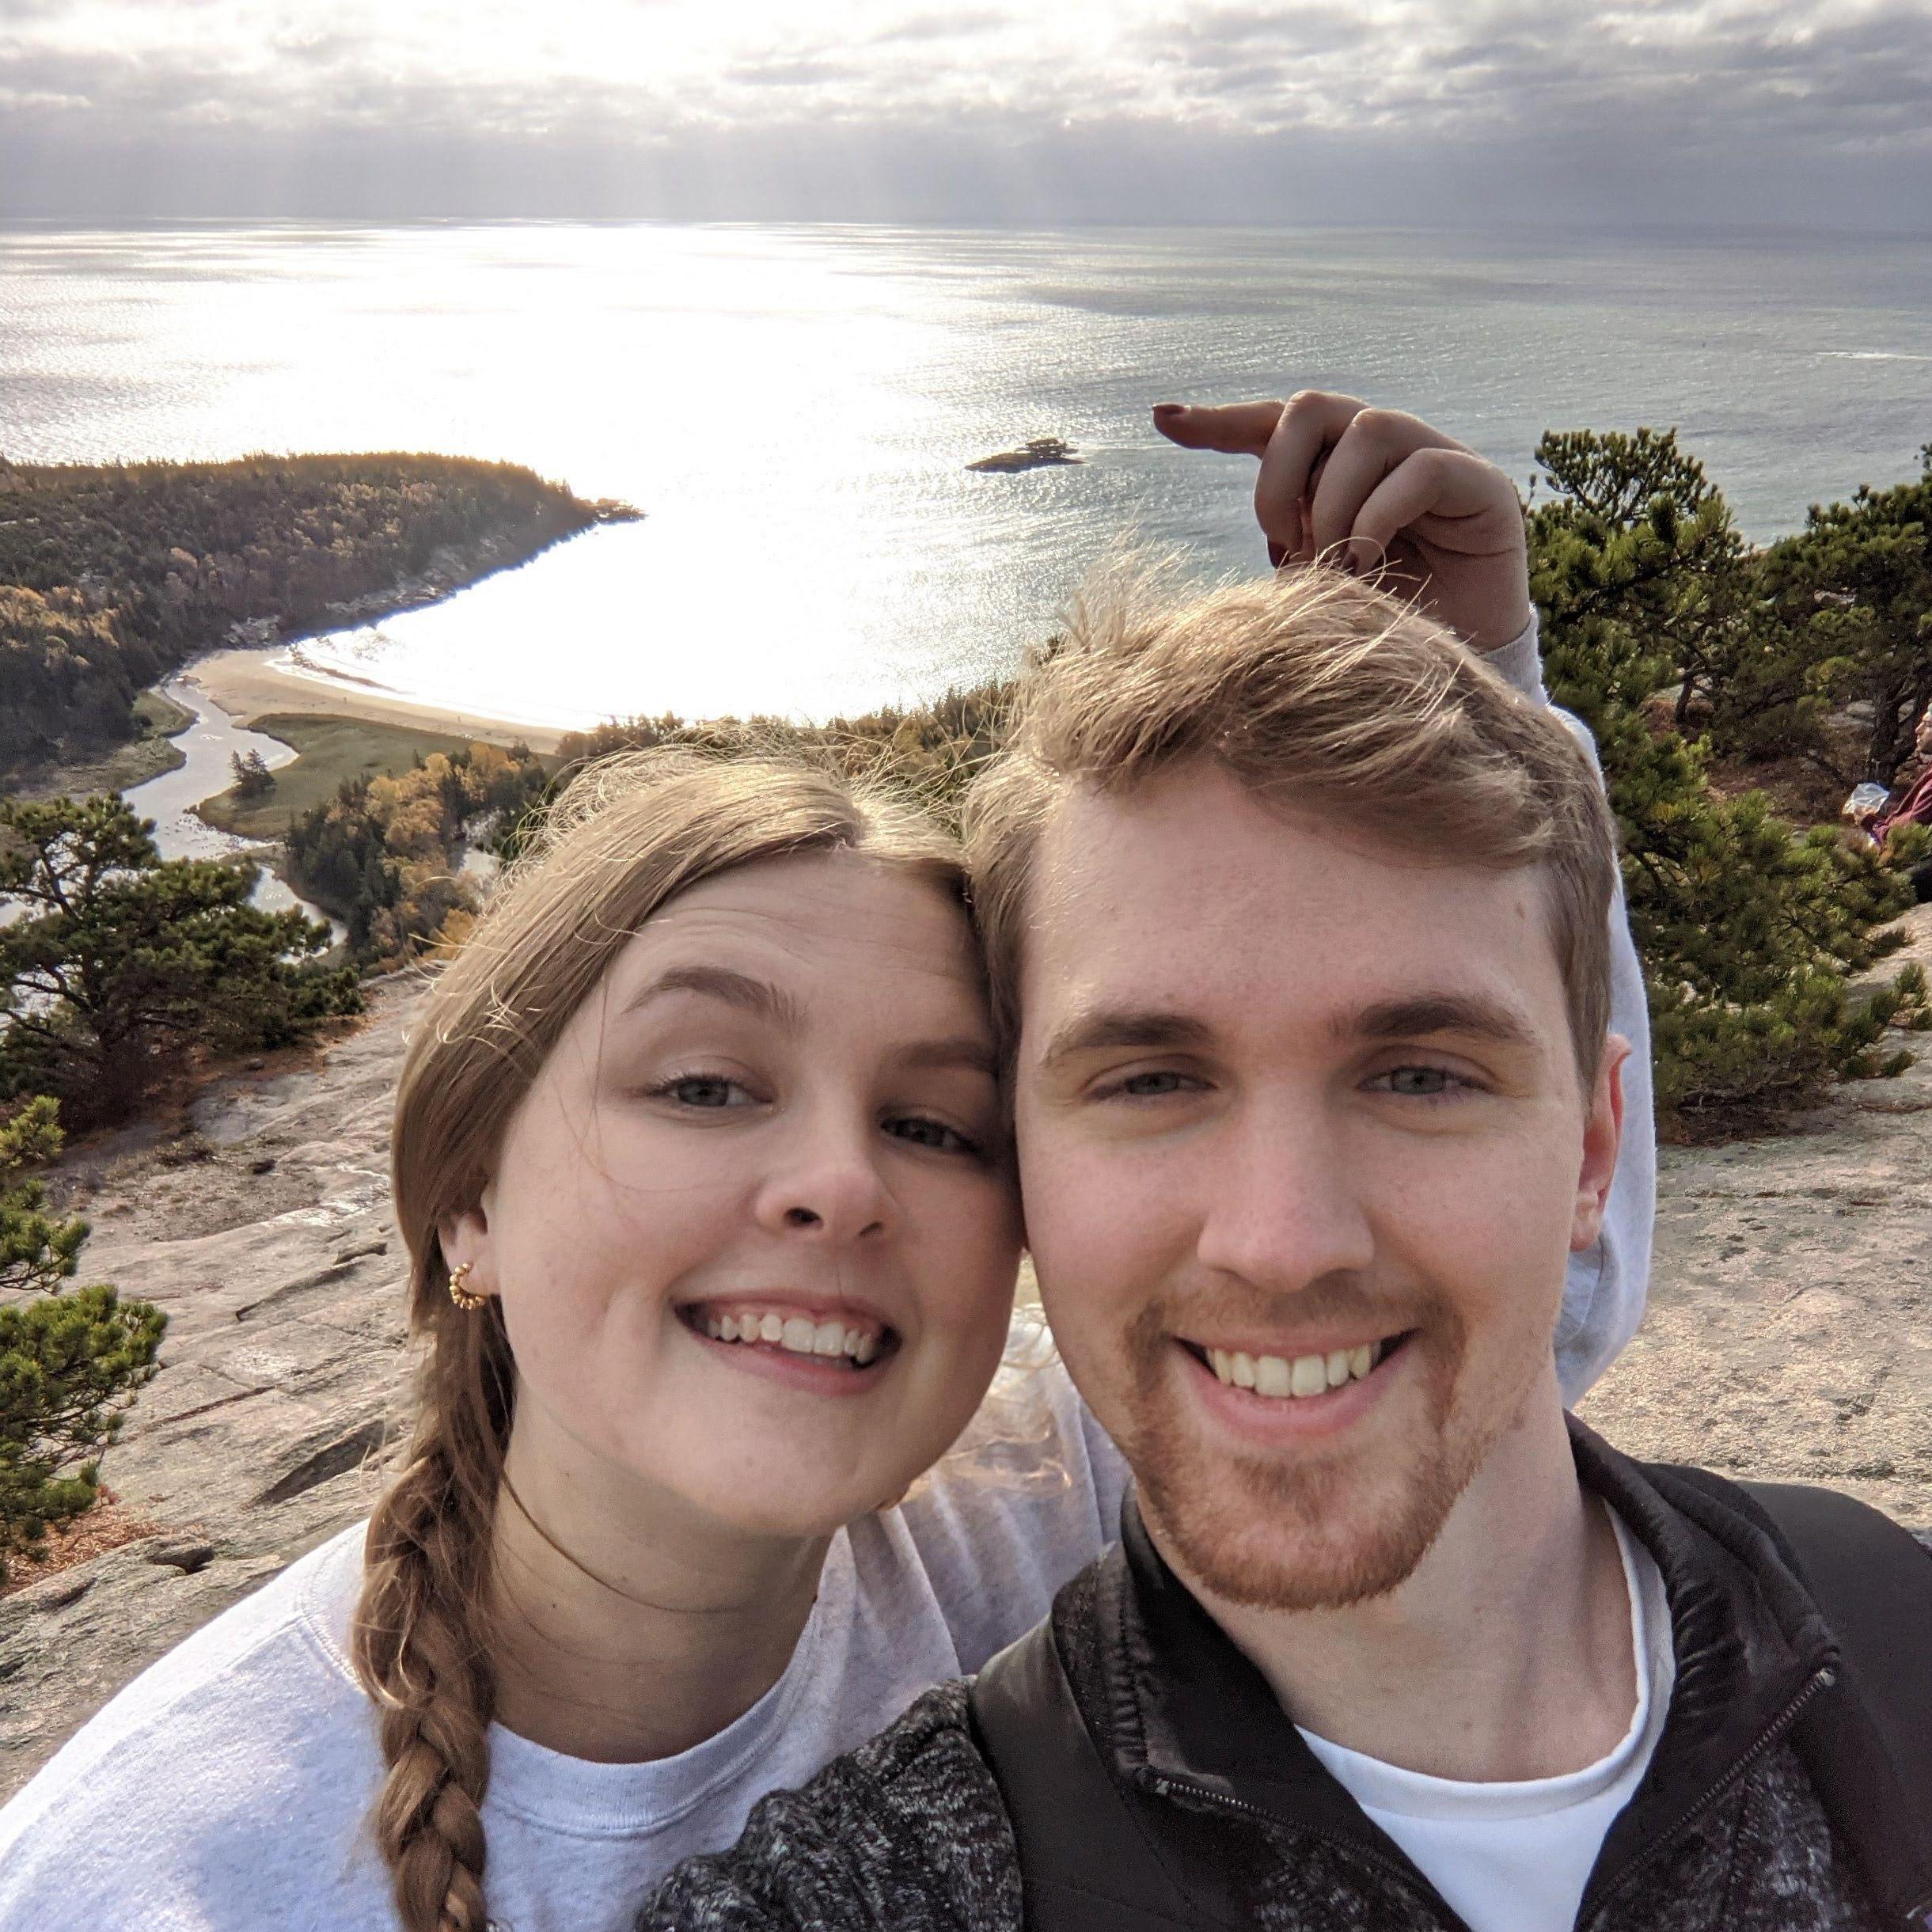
626,837
419,1648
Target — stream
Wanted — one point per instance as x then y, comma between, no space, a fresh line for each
208,744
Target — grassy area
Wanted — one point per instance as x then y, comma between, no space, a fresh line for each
331,751
157,719
159,716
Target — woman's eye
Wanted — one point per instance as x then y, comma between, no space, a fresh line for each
709,1090
1421,1083
933,1133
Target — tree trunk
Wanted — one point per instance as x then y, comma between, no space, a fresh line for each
1892,732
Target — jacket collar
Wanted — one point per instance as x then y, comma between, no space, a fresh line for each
1176,1698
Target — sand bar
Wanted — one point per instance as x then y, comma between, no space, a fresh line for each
249,684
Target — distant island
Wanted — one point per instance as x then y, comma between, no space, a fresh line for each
113,575
1041,453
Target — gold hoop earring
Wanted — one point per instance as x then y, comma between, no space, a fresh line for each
467,1299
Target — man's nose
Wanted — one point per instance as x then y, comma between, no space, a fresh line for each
831,1189
1281,1208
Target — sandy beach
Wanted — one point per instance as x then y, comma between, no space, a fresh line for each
249,684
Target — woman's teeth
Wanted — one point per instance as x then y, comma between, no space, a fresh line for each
1305,1374
797,1334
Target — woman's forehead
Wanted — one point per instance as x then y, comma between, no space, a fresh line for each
814,925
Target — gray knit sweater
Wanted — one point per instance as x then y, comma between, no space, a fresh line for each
1729,1832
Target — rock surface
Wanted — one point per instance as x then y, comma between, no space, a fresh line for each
285,1366
1786,1337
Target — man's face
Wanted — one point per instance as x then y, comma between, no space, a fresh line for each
1297,1114
1922,739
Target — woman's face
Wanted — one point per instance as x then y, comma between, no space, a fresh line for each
775,1118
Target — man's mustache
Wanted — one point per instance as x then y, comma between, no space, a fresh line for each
1340,1300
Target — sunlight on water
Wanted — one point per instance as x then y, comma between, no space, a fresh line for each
793,408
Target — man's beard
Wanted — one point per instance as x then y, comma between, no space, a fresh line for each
1307,1527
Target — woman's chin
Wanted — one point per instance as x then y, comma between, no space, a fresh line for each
808,1514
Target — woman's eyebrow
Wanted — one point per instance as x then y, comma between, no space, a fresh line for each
739,989
976,1055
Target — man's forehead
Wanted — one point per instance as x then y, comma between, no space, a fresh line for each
1190,894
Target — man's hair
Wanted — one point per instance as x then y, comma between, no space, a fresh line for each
1317,693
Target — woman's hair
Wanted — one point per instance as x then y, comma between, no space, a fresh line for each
626,836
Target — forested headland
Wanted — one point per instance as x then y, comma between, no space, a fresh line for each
113,575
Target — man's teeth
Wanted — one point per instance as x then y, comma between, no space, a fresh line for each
797,1334
1305,1374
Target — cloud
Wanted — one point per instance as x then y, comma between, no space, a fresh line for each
1754,111
961,24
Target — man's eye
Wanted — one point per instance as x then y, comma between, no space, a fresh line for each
1148,1086
1422,1082
922,1132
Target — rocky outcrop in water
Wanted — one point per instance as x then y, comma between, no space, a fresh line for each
1042,453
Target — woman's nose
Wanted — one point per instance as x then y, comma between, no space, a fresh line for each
832,1193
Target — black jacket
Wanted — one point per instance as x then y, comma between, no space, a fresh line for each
1162,1785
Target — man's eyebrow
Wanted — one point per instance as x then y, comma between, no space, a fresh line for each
737,990
1118,1026
1472,1014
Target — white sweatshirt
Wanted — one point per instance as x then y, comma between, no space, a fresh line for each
228,1789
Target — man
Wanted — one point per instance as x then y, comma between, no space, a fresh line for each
1297,918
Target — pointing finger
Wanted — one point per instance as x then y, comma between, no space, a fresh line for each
1234,429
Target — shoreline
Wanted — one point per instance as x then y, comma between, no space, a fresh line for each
248,687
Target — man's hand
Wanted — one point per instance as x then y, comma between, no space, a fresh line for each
1376,491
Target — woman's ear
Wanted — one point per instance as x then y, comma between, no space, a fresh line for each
464,1239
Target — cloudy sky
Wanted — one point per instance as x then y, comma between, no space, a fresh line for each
1651,112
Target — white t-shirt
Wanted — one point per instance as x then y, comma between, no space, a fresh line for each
1516,1857
228,1788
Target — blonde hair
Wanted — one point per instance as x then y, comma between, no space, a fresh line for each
627,837
1314,691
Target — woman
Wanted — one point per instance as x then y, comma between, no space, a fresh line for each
700,1159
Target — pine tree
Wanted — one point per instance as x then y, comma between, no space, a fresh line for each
69,1362
1845,619
127,964
1747,930
253,779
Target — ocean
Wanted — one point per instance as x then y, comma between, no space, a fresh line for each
794,408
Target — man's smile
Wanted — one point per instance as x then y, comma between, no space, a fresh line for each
1279,1397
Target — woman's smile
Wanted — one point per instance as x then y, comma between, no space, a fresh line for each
823,1348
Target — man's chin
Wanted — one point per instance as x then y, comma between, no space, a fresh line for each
1322,1541
1309,1525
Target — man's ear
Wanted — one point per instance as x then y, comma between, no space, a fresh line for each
1603,1135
